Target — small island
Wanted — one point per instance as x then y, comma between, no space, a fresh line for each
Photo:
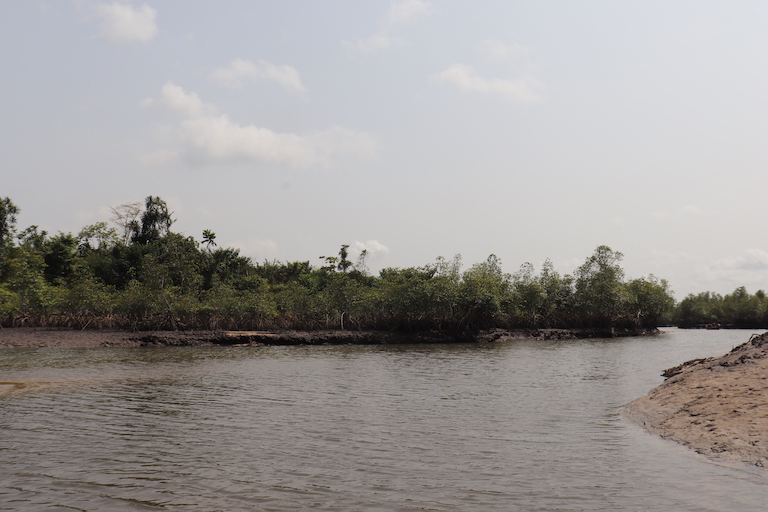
138,275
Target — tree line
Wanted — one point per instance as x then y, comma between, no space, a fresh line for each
739,309
139,274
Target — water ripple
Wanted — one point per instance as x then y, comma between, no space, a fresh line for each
525,426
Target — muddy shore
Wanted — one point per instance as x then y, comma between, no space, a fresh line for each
716,406
28,337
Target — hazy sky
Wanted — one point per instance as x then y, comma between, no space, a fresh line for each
415,128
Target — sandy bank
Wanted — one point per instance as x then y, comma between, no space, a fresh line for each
27,337
716,406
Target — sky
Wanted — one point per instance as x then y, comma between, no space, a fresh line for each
410,128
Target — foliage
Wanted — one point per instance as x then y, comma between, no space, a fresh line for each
738,309
155,222
26,280
60,257
8,212
599,286
98,236
648,299
126,217
484,294
142,275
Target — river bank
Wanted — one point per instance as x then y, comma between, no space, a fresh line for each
715,406
31,337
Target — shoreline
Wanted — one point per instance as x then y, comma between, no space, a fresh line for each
37,337
715,406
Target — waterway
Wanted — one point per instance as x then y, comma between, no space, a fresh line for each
529,426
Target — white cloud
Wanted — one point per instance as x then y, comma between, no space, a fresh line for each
399,13
497,50
466,79
207,136
698,274
752,260
240,70
124,23
374,249
188,104
219,138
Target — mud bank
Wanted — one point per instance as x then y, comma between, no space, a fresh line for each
37,337
716,406
33,337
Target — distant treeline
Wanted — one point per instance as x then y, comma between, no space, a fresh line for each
738,310
142,275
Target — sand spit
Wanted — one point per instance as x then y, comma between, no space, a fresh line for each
716,406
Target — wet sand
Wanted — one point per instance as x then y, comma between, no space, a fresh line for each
716,406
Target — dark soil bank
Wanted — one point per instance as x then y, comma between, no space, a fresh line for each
38,337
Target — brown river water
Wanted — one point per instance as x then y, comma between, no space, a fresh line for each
529,426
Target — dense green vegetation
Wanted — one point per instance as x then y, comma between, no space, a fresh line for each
142,275
738,309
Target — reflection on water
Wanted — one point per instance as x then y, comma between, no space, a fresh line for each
519,426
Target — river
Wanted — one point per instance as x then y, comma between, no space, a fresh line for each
529,426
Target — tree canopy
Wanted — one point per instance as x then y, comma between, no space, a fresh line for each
139,274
